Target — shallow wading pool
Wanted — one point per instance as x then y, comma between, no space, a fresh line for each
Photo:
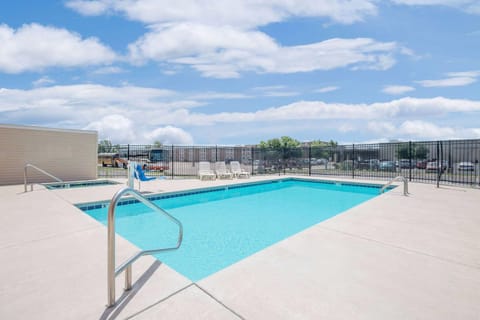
78,184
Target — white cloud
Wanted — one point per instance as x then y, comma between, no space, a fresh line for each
434,2
454,79
318,110
244,14
219,95
88,8
448,82
384,128
269,88
470,6
275,91
419,129
473,132
164,107
133,114
170,135
346,127
115,127
468,74
120,129
222,40
109,70
169,72
43,81
397,90
474,8
226,52
86,96
327,89
34,47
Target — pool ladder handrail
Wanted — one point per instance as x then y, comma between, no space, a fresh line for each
29,165
112,272
397,178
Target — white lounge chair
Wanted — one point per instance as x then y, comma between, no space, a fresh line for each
237,170
204,171
221,170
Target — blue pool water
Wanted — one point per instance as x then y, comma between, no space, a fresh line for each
78,184
224,226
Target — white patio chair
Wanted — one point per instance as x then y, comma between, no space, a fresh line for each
237,170
222,171
204,171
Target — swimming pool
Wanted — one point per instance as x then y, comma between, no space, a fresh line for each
79,184
226,224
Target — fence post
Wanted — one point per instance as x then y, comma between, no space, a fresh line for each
216,153
171,171
128,151
438,162
410,162
252,156
450,168
309,159
440,172
353,161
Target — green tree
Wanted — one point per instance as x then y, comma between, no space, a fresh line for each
280,143
421,152
105,146
157,144
281,148
417,152
403,151
274,144
291,147
322,149
288,142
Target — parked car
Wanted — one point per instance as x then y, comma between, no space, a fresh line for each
111,159
348,164
422,164
153,166
406,164
370,164
363,164
435,166
315,161
387,166
157,166
465,166
261,166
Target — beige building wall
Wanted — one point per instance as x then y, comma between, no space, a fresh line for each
67,154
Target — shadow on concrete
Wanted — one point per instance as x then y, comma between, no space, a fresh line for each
114,311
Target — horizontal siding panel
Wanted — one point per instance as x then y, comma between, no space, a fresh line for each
69,155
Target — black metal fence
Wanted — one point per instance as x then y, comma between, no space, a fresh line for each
440,162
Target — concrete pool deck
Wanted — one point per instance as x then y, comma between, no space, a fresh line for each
393,257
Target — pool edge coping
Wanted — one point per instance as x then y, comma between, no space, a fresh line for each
85,206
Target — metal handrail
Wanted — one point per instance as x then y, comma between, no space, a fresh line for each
38,169
401,178
127,265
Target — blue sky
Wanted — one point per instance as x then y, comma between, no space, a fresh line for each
237,72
